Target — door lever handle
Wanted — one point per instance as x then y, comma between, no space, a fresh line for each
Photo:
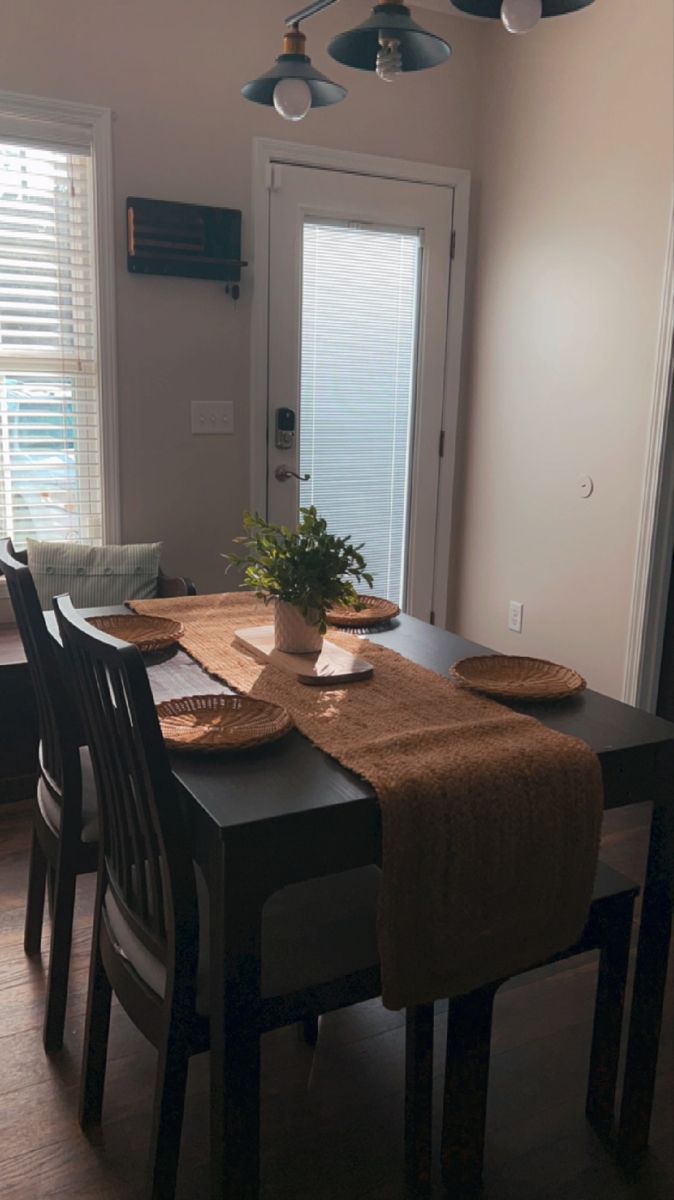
284,473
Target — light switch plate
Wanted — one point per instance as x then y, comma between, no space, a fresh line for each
212,416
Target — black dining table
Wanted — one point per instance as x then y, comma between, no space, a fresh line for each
287,812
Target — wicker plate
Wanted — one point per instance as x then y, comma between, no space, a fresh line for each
509,676
373,611
149,634
211,723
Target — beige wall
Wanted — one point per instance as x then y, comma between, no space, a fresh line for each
569,133
171,71
571,217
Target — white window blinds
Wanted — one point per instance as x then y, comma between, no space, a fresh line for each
359,336
50,469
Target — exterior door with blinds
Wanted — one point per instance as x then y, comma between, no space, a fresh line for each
358,303
50,461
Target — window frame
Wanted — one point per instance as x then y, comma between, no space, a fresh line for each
59,124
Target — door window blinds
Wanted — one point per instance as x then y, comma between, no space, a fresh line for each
50,463
360,301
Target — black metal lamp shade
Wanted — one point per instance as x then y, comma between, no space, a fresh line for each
492,8
359,47
294,66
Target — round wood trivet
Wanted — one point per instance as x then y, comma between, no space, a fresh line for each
211,723
149,634
371,611
515,678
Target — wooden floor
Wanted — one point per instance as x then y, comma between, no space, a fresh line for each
332,1120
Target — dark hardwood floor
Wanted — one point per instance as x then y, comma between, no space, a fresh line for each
332,1120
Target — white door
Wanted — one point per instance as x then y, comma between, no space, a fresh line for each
358,302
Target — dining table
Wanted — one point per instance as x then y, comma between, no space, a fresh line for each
287,812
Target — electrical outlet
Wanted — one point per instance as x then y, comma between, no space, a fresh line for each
515,613
212,416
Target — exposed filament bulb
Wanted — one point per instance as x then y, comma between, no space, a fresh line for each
389,58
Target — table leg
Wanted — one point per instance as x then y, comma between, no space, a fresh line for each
419,1025
235,915
651,967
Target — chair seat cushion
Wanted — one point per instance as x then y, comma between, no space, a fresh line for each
51,809
312,933
93,575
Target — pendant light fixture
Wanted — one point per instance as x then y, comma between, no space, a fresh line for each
293,85
520,16
389,42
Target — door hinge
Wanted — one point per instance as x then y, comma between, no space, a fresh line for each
273,177
431,619
452,245
441,444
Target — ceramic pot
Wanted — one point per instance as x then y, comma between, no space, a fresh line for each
292,632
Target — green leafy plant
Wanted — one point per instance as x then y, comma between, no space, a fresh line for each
309,568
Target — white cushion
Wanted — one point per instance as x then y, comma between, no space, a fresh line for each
51,809
312,933
93,575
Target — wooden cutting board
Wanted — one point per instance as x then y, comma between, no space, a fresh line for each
326,669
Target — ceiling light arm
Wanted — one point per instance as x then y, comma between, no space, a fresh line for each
310,11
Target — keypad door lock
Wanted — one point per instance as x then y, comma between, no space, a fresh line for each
285,429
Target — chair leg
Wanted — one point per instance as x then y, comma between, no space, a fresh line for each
37,875
167,1113
419,1098
309,1030
95,1050
608,1019
59,957
466,1080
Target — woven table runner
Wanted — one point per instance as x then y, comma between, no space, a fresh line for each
490,821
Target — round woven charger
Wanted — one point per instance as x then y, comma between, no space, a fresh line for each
211,723
373,611
149,634
515,678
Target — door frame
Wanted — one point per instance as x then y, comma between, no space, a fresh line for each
655,542
268,153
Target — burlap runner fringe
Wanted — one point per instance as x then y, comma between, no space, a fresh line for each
491,822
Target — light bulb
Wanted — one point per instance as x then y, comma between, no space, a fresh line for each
520,16
292,99
389,58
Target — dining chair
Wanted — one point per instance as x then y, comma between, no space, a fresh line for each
65,821
469,1026
150,940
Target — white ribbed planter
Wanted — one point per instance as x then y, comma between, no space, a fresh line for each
292,632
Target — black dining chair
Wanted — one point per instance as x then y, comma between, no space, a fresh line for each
469,1025
150,940
65,822
65,825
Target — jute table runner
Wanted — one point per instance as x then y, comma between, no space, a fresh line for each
490,821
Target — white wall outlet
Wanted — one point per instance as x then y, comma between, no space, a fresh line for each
212,416
515,613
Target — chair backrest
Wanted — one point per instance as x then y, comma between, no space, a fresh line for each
57,717
146,856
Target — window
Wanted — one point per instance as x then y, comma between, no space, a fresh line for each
359,344
55,341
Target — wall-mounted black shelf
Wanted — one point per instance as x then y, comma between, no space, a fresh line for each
194,241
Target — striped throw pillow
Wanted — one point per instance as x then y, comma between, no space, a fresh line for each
93,575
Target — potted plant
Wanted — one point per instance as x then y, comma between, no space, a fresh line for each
305,572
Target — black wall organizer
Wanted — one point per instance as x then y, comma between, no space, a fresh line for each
194,241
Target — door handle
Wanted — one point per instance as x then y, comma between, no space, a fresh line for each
284,473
